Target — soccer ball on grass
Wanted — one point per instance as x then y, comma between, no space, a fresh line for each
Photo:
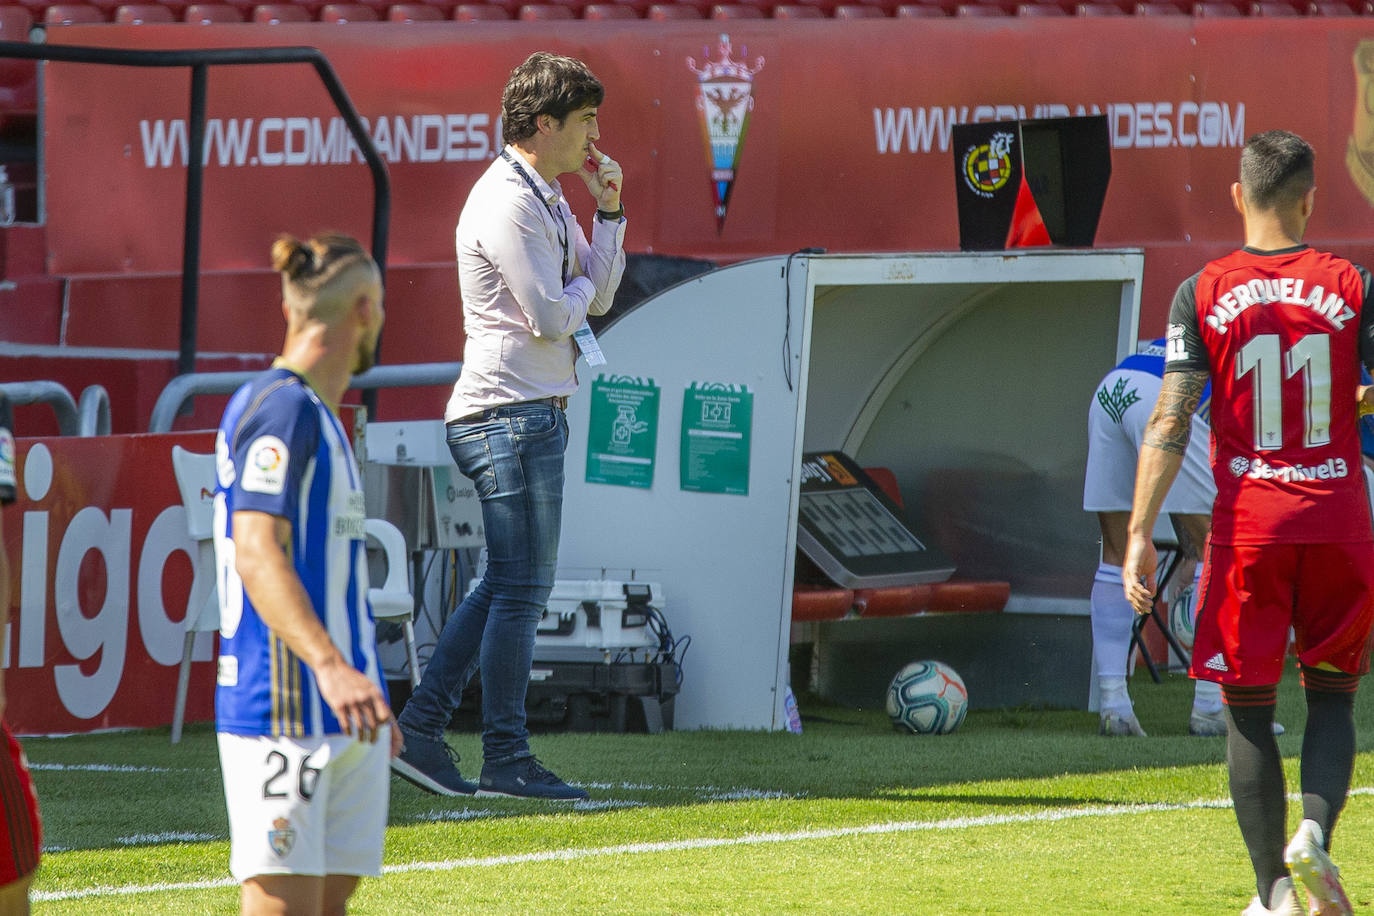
927,697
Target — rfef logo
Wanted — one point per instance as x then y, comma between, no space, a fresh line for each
987,166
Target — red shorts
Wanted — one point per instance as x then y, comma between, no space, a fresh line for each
22,837
1252,595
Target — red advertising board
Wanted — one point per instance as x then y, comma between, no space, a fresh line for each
775,136
101,569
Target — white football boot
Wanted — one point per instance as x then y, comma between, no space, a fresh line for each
1283,901
1307,860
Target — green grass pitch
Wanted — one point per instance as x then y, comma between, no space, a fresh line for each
1019,812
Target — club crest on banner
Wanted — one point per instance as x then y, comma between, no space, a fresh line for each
1359,152
282,837
724,101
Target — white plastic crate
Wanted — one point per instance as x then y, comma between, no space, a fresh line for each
595,619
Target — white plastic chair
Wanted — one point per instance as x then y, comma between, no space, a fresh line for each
195,474
393,601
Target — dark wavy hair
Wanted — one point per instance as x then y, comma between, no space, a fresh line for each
546,84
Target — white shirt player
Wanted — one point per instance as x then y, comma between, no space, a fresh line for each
281,451
1117,416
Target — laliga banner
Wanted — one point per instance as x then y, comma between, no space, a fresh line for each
101,569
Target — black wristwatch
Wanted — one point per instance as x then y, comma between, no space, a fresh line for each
611,216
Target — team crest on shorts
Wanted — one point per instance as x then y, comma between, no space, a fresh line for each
281,837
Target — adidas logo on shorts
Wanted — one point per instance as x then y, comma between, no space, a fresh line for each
1216,663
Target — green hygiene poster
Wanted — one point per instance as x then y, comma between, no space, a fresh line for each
716,420
622,434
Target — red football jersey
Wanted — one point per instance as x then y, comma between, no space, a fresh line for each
1280,333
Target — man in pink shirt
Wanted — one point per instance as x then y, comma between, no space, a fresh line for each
529,278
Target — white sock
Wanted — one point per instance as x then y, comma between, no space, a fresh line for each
1113,696
1112,616
1206,697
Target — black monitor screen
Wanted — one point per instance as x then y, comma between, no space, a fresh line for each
855,533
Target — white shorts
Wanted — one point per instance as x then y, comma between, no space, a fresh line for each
305,806
1114,432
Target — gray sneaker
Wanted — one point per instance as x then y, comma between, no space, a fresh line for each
1115,724
1307,860
432,765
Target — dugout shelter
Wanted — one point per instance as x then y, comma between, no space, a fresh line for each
967,375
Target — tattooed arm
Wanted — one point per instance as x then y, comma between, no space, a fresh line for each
1161,455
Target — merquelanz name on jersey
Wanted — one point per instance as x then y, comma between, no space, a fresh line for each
1259,469
1288,290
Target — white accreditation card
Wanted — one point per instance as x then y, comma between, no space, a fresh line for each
587,345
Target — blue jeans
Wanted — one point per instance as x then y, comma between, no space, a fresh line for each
514,457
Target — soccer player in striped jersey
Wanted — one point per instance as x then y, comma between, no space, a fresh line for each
1280,329
21,840
305,731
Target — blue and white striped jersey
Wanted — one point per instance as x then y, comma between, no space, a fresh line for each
281,451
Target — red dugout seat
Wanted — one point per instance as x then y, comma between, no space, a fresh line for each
478,12
817,602
276,13
1213,9
666,11
414,12
347,12
531,12
602,11
72,14
140,13
211,13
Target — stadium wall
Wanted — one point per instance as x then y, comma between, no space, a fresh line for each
831,134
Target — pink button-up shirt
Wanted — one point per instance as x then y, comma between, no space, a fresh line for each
518,313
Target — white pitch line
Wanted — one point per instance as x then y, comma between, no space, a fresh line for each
566,855
102,768
752,839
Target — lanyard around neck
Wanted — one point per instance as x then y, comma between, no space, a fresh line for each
560,227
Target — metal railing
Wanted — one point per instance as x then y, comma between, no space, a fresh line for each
88,417
199,62
44,392
184,387
93,411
